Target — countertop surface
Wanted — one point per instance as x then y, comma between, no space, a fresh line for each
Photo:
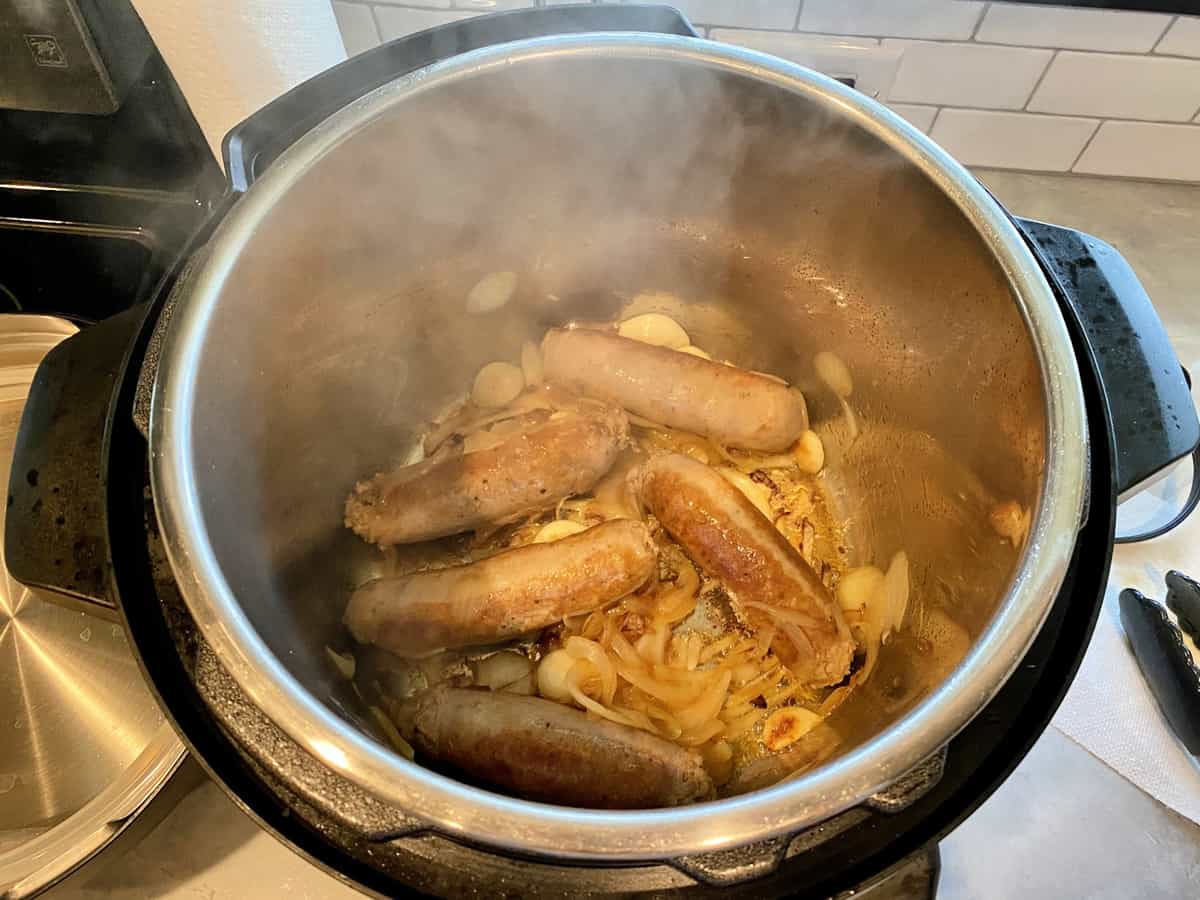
1064,824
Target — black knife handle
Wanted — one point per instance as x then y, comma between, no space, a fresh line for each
1167,664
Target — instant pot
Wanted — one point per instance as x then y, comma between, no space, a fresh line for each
182,464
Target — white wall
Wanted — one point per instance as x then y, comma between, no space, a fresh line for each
1005,85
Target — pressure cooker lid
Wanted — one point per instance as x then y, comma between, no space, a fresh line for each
83,745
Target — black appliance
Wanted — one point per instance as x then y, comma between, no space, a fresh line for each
884,848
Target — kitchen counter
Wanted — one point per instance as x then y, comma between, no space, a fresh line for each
1064,824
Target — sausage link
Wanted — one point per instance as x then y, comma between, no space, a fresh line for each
504,596
541,750
524,474
730,405
735,543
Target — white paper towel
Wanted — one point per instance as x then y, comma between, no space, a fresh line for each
1109,709
230,57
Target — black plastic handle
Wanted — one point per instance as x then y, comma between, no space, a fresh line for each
258,141
1146,388
56,527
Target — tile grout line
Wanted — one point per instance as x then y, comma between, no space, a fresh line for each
1017,111
1037,84
1086,144
375,22
933,122
1170,25
971,42
979,22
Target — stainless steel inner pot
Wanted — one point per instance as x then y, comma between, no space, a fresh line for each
791,215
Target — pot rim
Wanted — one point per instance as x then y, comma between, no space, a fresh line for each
456,809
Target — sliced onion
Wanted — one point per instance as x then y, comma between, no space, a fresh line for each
786,726
694,737
894,594
384,723
557,530
675,696
809,453
598,708
739,726
582,648
757,687
1010,520
800,640
554,679
744,672
716,648
765,637
694,351
664,722
780,694
851,419
832,371
857,587
471,420
531,364
343,662
706,708
497,384
752,490
625,651
656,329
500,670
491,292
636,718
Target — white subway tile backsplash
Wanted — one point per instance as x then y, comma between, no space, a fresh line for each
1119,86
1144,150
357,26
784,43
999,84
397,21
872,67
1012,140
738,13
940,19
1182,38
920,116
966,74
1076,29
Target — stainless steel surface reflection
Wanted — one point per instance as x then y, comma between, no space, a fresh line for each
83,744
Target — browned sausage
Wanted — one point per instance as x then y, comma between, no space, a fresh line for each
524,474
541,750
735,543
503,596
730,405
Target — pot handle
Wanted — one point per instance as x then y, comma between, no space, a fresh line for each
56,523
255,143
1147,390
